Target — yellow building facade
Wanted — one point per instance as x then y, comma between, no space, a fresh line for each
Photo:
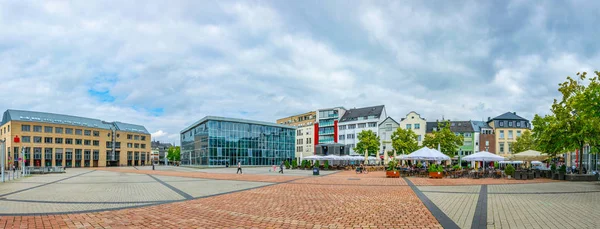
45,139
507,128
305,131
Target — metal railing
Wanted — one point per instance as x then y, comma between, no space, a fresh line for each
15,174
44,170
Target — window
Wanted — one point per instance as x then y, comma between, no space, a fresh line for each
341,137
47,140
87,132
136,137
96,155
69,141
37,128
362,125
78,141
468,143
501,147
68,131
69,154
487,143
408,126
58,130
58,140
518,123
143,146
136,145
299,133
129,145
37,139
350,136
78,131
48,129
78,154
37,153
343,127
96,143
468,134
309,141
510,134
48,154
502,134
96,133
509,146
510,123
518,133
372,124
26,139
87,154
501,123
129,136
87,142
352,126
143,138
59,154
417,126
25,128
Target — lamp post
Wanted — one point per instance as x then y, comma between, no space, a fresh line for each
3,141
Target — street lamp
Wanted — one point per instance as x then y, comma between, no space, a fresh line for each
3,141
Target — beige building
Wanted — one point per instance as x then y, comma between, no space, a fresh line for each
305,132
507,128
416,123
48,139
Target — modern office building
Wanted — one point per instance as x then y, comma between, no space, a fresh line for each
326,128
48,139
507,128
413,121
161,148
358,119
386,129
217,141
305,129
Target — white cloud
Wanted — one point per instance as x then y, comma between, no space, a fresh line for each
159,134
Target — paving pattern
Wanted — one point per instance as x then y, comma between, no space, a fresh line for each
178,197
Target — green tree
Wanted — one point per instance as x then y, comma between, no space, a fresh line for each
524,142
404,141
574,120
368,142
174,153
448,141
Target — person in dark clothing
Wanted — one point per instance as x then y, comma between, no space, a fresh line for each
281,168
239,170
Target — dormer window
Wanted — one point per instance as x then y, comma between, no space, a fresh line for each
518,124
510,123
501,123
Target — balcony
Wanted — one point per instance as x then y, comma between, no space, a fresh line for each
326,123
328,132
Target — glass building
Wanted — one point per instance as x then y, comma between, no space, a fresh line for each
217,141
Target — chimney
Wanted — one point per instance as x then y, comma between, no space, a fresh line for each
489,118
515,113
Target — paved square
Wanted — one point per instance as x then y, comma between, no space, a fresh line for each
179,197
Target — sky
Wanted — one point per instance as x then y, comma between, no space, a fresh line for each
167,64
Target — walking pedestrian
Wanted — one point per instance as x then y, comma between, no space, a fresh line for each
239,170
281,168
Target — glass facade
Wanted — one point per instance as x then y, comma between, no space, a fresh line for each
216,143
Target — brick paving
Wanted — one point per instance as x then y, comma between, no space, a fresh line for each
422,181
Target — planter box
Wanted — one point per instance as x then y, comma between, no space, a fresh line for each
517,175
392,174
438,175
582,177
561,176
554,176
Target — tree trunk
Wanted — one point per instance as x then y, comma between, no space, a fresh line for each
581,159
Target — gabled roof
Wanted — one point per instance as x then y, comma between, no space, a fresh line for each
390,118
353,114
509,116
51,118
477,125
455,126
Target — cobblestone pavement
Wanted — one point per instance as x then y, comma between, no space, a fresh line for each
188,198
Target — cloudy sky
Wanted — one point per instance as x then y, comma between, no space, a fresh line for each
166,64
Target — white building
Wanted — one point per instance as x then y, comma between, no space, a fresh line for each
386,129
356,120
413,121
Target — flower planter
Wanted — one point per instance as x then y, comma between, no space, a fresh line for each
554,176
438,175
392,174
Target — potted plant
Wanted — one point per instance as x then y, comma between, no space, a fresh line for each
436,171
554,173
457,167
294,164
510,171
286,164
391,169
561,172
326,165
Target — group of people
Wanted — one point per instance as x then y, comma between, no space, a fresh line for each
239,168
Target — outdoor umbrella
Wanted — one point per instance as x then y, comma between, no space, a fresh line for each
483,156
314,157
529,155
427,154
332,158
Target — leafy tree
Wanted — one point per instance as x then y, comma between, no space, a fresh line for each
326,165
524,142
174,153
294,164
404,141
449,143
287,164
368,142
574,120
